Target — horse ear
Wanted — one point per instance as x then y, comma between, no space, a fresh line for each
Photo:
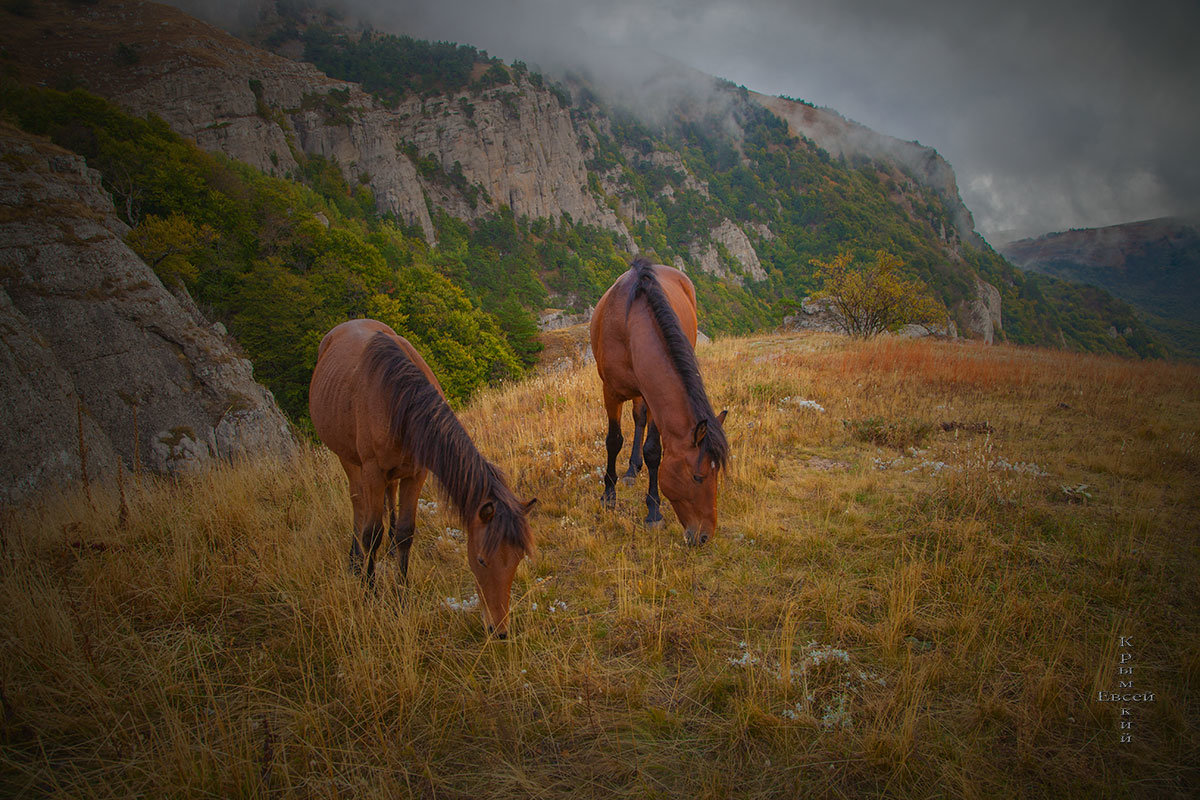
487,511
529,506
700,432
721,418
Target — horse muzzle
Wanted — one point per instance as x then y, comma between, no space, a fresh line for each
695,538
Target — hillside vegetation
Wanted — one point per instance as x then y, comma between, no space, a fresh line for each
927,554
672,183
1154,265
280,262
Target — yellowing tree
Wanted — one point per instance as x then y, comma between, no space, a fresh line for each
873,298
169,245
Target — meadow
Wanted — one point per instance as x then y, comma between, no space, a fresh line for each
928,555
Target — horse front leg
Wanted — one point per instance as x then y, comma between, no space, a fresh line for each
612,442
653,454
639,429
354,475
404,495
369,506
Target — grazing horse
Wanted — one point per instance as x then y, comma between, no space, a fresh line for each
376,404
643,337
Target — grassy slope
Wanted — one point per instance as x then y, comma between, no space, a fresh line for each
947,628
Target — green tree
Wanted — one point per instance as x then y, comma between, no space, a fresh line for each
872,298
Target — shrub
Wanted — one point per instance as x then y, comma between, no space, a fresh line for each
874,298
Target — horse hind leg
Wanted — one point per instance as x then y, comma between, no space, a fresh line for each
354,475
612,443
653,453
635,453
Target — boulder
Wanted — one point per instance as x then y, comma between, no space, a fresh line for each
92,333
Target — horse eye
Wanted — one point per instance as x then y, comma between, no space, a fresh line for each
482,563
698,478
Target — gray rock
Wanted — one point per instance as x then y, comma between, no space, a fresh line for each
553,319
815,315
980,316
735,241
40,413
89,325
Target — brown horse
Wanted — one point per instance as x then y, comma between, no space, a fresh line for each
644,336
376,404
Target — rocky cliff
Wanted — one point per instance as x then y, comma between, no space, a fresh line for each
516,143
467,152
96,350
841,137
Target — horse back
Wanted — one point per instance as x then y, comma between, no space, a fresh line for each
615,334
348,410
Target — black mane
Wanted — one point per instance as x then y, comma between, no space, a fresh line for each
683,357
422,422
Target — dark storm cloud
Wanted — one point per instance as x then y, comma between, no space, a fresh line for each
1054,114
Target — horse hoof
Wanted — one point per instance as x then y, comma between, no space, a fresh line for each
609,501
654,523
628,479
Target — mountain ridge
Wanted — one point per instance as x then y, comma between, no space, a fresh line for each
1153,264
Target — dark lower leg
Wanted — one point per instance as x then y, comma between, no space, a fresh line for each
372,536
356,556
653,453
613,442
402,539
639,430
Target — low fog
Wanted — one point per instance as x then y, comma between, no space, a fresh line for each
1055,114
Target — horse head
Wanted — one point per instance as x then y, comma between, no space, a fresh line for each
688,477
498,537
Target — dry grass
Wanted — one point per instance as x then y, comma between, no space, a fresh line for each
870,620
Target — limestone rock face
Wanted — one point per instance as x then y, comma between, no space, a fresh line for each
40,414
514,142
737,244
89,325
980,317
842,137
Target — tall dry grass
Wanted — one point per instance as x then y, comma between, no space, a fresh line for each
927,617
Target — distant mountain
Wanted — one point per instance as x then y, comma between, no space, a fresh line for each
1154,265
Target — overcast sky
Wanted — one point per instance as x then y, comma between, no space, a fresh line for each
1054,113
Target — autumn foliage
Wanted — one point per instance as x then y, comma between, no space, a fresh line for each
873,298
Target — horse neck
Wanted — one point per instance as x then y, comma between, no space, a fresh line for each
447,450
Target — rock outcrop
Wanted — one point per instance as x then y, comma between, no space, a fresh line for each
841,137
734,240
979,318
820,315
515,143
814,315
93,339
